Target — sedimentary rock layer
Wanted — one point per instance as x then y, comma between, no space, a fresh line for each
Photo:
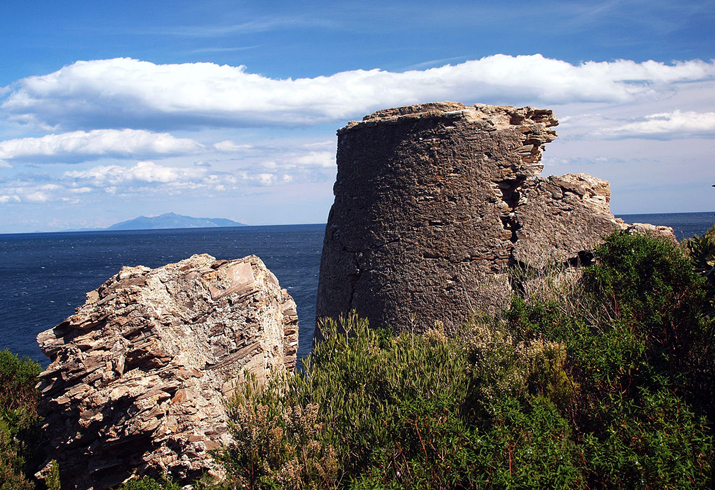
139,373
434,201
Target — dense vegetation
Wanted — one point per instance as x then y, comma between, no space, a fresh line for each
18,419
600,377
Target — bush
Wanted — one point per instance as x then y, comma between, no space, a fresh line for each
590,380
148,483
701,250
367,402
18,418
641,354
407,412
275,441
652,287
650,441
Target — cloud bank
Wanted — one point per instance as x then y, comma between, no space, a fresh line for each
125,92
668,125
68,147
142,172
607,111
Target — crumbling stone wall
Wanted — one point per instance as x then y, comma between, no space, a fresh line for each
434,201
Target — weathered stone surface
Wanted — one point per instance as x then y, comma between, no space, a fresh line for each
433,201
139,373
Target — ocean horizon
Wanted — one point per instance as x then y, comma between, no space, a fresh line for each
45,276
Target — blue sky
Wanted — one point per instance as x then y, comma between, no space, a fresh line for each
111,110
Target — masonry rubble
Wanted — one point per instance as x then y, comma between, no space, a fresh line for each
434,202
140,373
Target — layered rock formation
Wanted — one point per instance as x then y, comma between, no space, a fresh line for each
139,373
434,201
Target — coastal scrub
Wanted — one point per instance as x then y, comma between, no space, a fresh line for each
18,418
598,381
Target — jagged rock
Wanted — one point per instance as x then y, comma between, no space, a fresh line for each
139,374
434,201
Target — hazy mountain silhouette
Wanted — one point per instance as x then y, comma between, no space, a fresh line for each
172,220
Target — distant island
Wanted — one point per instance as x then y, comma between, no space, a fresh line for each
172,220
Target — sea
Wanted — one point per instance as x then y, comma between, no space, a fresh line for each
45,276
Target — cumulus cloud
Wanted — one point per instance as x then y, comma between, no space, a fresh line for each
141,178
667,125
125,92
231,147
142,172
78,145
317,158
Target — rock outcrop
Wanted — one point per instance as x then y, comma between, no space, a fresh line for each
139,374
434,201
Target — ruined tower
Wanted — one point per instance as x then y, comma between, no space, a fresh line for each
434,201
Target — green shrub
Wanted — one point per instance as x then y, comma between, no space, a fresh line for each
18,378
701,250
148,483
649,441
529,446
52,481
275,442
504,368
18,418
12,462
593,383
650,284
367,402
639,347
411,411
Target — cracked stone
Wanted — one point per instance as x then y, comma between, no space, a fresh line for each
161,361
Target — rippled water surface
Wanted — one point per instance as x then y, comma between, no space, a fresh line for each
44,276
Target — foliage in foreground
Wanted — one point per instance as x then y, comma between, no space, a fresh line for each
18,417
605,384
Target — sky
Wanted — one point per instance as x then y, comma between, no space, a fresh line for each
228,109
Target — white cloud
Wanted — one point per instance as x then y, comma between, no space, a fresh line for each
265,179
142,172
148,177
37,197
326,145
130,93
231,147
317,158
676,124
79,145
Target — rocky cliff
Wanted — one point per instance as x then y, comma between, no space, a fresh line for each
139,374
434,201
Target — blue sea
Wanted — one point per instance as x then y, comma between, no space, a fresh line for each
44,276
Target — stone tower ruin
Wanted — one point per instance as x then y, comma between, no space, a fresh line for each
434,201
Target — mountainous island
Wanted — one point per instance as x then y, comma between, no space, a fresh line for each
172,220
